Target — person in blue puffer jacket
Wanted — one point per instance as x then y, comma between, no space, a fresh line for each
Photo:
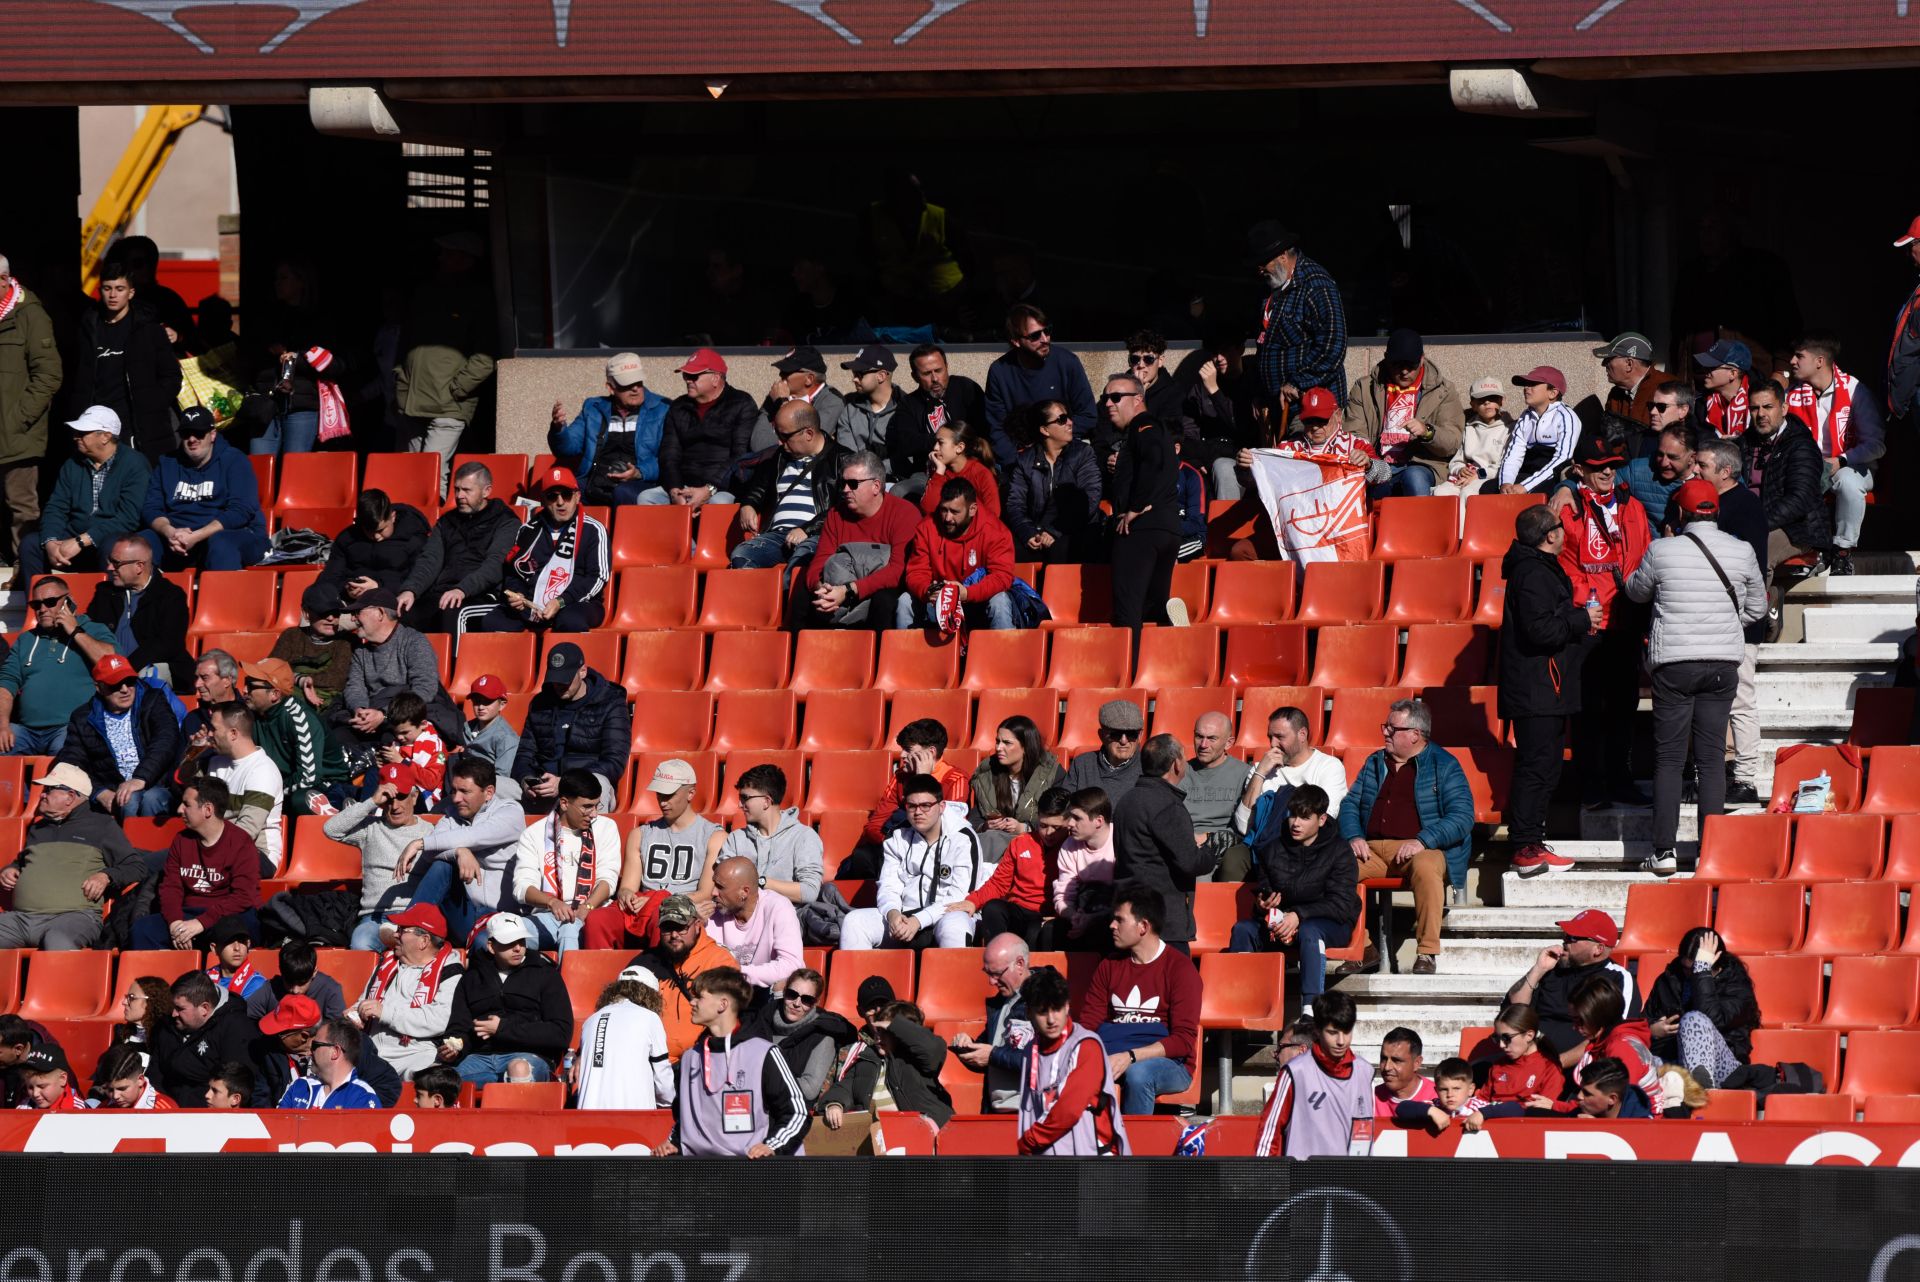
203,503
613,444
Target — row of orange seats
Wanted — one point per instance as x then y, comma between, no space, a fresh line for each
1811,848
1885,782
1822,919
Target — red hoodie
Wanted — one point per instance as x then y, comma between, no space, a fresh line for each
1021,877
1630,1042
934,557
210,882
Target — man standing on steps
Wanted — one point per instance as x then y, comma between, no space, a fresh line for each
1540,639
1742,515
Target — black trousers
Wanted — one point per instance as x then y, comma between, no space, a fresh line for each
1000,918
1143,564
1603,728
1537,743
1691,700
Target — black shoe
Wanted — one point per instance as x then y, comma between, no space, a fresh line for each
1742,794
1630,795
1840,561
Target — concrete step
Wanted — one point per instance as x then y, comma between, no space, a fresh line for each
1572,891
1855,589
1500,922
1837,655
1439,1025
1805,725
1859,623
1506,958
1825,689
1452,984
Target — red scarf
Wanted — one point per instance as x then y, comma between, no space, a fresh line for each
1401,402
424,991
1804,404
1728,417
333,404
1341,1068
236,985
14,294
582,874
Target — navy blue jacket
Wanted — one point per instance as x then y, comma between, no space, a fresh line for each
156,736
225,490
1012,386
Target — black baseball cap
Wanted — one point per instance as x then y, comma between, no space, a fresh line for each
197,420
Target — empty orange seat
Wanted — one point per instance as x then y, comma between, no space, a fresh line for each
1879,1063
317,480
231,601
1178,657
1366,654
952,985
1893,781
664,659
1489,772
830,659
1465,716
1217,905
706,786
1078,594
314,856
1729,1106
1901,1110
1787,989
651,534
1080,726
1358,714
507,655
1259,703
1090,657
1802,761
166,964
848,781
910,660
1853,917
740,599
1265,655
1760,917
673,721
1866,992
1881,715
747,661
413,479
67,985
1408,529
981,1135
849,968
838,720
1903,851
1041,706
1434,591
1176,711
655,596
1240,990
1744,848
1342,592
1837,847
1818,1110
1491,601
951,708
1447,654
14,785
524,1096
1658,913
351,967
754,719
1192,583
1489,521
1819,1047
1252,592
717,532
1009,659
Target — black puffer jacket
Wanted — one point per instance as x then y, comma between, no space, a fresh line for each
1724,995
913,1075
156,736
762,491
536,1015
594,732
1313,880
702,451
465,551
1789,482
1539,633
388,561
183,1063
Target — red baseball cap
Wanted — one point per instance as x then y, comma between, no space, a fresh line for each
1913,234
1542,374
399,774
1318,403
559,478
489,688
1698,498
113,669
296,1010
1591,924
703,361
425,916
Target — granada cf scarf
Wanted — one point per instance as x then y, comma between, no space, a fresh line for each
429,984
1728,417
238,984
583,872
1395,437
333,405
550,581
1804,403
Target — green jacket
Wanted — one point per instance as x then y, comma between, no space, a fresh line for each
70,510
48,678
29,376
447,350
309,760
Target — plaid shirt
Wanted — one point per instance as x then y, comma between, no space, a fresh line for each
1303,334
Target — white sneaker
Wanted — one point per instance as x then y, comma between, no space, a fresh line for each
1177,613
1661,863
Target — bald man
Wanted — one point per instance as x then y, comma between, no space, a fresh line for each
762,931
1214,783
1001,1051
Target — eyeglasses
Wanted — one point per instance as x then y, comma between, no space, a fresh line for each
416,930
128,684
1389,729
1501,1039
1142,358
1035,334
1114,398
1062,421
855,482
132,998
923,805
993,974
805,999
50,602
138,560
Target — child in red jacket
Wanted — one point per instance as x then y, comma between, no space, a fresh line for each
1014,900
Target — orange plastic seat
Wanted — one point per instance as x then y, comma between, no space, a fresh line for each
245,647
652,534
851,781
981,1135
1901,1110
840,832
909,660
1491,601
1366,654
1176,710
829,659
1342,592
663,659
1265,655
1447,654
754,719
413,479
13,970
716,533
1013,659
1077,594
1217,905
673,721
1864,992
1488,527
656,596
1358,714
791,763
1658,913
1818,1110
600,649
586,972
1041,706
1241,990
1878,1063
1853,917
318,480
442,646
314,856
849,968
233,601
1816,1046
1744,848
1465,716
706,787
266,476
1903,851
1192,584
1729,1106
1760,917
14,785
952,985
1801,761
1409,529
1838,847
166,964
1080,726
351,968
741,599
507,655
1259,703
509,473
293,585
951,708
1788,989
1436,591
1881,715
524,1096
1893,781
1090,657
1252,592
1178,657
67,985
838,720
747,661
1476,1042
1489,773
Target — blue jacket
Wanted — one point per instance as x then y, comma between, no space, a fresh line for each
1440,792
575,445
225,490
352,1093
1011,387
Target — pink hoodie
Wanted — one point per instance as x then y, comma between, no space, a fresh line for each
1081,865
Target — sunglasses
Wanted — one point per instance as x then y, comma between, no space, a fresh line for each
1033,334
784,437
1662,406
854,482
1114,398
332,1046
805,999
1142,358
1119,734
1062,421
51,602
127,684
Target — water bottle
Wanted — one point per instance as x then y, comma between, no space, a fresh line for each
1593,606
566,1067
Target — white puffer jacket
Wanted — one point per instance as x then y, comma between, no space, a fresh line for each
1693,618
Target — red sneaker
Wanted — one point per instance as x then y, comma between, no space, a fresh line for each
1536,858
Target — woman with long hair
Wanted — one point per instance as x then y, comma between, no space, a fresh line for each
1008,782
958,450
1702,1010
147,1001
808,1035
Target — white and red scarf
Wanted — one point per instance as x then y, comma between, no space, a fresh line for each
151,1101
583,871
550,580
1401,403
1601,545
1803,402
15,292
1728,417
236,985
1338,448
333,405
423,992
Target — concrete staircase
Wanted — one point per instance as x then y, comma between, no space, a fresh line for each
1837,635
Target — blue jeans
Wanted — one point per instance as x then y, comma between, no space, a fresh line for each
152,800
28,742
152,932
227,550
1251,937
658,494
551,934
995,612
295,432
770,548
483,1069
1148,1080
440,884
1411,480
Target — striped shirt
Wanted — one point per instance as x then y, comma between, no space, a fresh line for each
793,502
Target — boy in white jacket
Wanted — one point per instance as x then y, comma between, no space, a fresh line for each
932,862
568,862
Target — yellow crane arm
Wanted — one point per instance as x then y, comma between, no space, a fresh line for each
131,183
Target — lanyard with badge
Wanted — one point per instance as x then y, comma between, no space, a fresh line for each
736,1107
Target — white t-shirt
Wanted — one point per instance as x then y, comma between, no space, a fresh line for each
256,773
622,1061
1319,769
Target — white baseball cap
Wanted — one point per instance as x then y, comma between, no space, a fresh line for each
625,370
1487,388
672,775
508,928
640,974
97,418
68,776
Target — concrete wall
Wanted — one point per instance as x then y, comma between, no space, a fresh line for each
529,385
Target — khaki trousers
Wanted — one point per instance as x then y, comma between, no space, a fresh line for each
1429,878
